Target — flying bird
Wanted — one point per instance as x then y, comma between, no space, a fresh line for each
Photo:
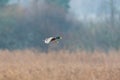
52,39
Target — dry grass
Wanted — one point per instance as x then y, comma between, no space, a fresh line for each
62,65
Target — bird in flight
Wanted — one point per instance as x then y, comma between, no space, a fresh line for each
52,39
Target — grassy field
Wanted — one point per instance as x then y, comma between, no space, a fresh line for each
62,65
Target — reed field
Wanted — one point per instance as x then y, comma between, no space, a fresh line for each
60,65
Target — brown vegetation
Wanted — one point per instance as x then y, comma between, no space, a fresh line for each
62,65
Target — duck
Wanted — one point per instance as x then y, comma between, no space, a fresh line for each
52,39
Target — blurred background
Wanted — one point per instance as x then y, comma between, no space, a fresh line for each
84,24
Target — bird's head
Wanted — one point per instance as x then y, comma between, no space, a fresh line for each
58,37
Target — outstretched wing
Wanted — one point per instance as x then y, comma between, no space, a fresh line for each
48,40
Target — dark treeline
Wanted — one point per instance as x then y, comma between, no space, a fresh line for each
26,27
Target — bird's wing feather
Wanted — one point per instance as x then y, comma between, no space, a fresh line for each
48,40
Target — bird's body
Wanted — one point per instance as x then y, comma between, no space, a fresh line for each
52,39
